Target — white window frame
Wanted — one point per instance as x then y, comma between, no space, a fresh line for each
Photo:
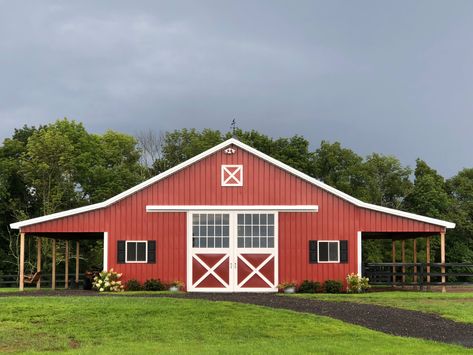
146,252
224,169
330,261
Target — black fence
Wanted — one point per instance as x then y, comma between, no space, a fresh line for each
418,274
12,281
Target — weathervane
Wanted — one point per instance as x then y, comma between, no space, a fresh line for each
233,128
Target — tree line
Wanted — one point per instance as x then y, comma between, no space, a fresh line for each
59,166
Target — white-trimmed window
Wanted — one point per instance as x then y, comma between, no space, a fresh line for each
136,251
328,251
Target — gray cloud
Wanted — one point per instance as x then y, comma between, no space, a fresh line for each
390,77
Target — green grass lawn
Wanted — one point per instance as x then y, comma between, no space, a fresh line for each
456,306
143,325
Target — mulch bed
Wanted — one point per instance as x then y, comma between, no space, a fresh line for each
389,320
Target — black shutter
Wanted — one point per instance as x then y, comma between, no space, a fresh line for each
121,252
312,252
344,251
151,252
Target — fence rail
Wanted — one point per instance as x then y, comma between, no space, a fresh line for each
418,274
12,280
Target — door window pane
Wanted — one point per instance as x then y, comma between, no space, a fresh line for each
256,228
226,231
213,230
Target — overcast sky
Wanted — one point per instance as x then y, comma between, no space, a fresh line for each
394,77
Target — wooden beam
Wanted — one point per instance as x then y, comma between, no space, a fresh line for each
66,262
442,259
22,262
394,259
38,262
414,250
53,265
403,259
427,260
77,264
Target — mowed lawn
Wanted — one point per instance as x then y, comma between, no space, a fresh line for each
455,306
123,325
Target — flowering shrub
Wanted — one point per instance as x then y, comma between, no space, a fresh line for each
108,281
356,283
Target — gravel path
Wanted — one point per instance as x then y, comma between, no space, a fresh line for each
388,320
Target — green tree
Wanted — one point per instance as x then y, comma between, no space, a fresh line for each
48,164
428,196
387,181
460,240
15,200
181,145
340,168
111,167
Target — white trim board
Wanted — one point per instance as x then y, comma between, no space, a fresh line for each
105,251
279,208
251,150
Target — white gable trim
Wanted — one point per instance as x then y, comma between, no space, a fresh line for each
213,150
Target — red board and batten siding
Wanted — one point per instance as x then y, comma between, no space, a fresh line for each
263,184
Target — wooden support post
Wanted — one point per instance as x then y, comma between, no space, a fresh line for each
427,260
414,250
66,262
22,262
38,262
394,260
442,259
53,265
403,260
77,264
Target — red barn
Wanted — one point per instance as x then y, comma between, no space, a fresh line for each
232,219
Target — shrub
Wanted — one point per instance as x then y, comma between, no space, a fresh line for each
356,283
154,285
133,285
108,281
333,286
309,286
